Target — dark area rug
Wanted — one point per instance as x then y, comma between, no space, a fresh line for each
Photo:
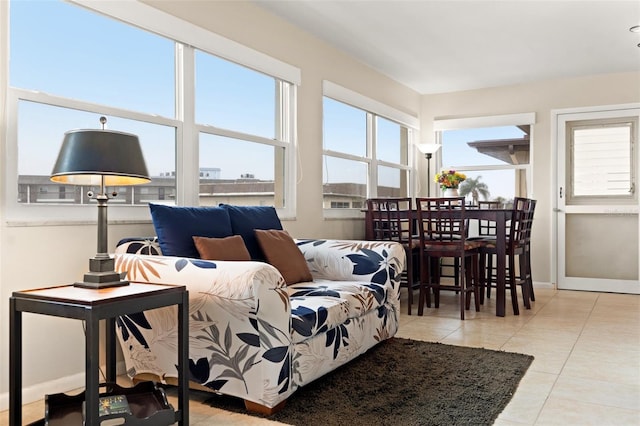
405,382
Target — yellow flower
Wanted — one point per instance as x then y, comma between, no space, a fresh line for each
449,179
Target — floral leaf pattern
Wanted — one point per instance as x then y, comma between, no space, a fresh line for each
130,325
308,322
199,370
254,337
144,245
138,269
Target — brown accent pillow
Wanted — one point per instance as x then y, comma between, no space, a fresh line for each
282,252
228,248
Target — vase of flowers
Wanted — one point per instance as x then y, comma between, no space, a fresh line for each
451,192
449,180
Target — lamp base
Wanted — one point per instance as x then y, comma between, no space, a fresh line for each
101,275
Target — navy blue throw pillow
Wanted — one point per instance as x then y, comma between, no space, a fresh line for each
176,227
246,219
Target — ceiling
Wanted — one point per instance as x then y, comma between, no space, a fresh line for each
447,46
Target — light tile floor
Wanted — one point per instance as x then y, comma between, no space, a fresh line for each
586,347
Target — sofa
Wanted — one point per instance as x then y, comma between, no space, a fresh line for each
255,334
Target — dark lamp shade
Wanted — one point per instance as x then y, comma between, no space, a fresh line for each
88,155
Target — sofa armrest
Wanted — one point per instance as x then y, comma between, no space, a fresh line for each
239,325
380,262
228,280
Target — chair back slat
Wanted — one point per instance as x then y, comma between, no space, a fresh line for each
522,221
487,228
390,219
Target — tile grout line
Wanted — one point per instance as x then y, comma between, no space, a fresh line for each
546,399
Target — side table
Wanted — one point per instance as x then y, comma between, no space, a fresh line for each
92,306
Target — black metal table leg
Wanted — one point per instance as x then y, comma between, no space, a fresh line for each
15,364
92,375
110,348
183,357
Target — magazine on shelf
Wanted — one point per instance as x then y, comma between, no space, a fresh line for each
112,404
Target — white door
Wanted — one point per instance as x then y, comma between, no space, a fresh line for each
597,200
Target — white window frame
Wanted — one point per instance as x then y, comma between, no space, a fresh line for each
187,178
372,108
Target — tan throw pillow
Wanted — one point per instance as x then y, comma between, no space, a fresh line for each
282,252
228,248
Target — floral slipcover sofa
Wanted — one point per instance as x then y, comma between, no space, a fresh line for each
251,335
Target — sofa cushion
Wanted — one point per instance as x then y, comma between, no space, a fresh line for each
282,252
227,248
325,304
176,226
246,219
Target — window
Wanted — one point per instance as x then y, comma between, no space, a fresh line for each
495,158
74,69
241,135
136,66
392,148
340,205
365,153
601,155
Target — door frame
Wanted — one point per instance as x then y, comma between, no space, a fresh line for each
556,116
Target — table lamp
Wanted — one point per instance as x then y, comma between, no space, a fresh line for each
100,158
428,149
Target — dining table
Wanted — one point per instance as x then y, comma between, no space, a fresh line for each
500,217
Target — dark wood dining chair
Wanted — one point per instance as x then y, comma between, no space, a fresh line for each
390,219
443,230
525,264
518,245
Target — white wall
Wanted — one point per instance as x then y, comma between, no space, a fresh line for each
541,98
35,256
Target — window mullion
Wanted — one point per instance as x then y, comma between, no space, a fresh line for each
394,165
218,131
372,184
280,169
287,121
280,112
345,156
187,167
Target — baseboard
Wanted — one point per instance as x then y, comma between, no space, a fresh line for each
63,384
539,284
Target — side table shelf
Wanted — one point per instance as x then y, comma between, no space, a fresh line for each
148,402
